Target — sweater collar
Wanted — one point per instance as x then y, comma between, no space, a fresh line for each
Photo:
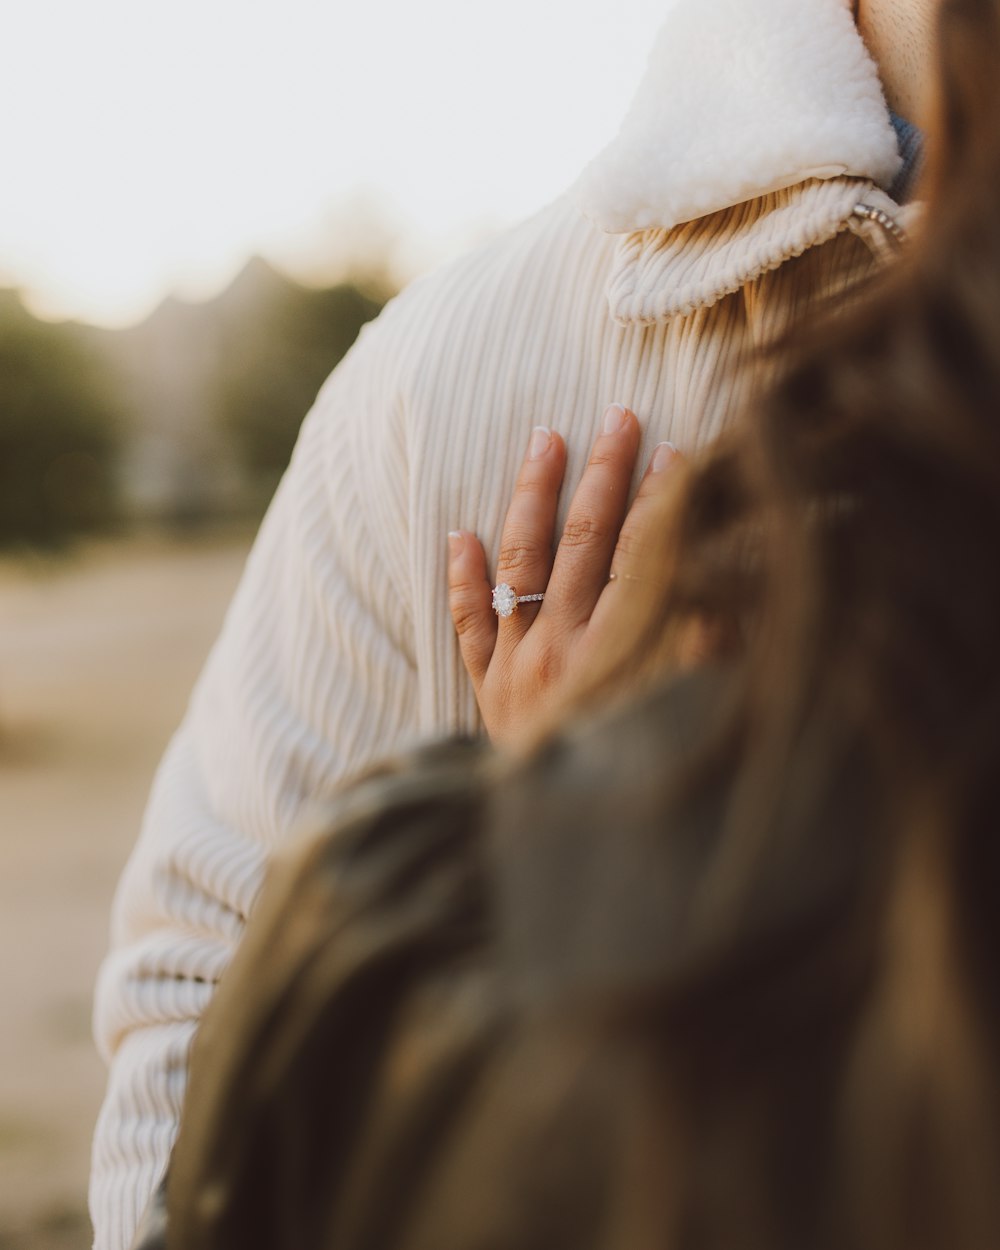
742,99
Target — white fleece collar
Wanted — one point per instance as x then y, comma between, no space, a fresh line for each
661,274
742,98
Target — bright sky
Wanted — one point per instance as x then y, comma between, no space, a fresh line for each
148,147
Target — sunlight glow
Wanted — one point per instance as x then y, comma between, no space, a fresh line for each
148,148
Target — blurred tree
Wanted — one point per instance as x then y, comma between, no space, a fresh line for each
61,432
279,342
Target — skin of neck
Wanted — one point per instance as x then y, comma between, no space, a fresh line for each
901,36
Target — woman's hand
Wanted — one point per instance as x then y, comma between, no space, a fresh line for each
522,665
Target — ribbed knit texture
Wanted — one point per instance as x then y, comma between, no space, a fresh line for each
338,648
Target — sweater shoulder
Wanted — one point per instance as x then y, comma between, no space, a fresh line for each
507,277
559,225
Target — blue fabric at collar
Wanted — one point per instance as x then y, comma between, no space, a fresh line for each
911,149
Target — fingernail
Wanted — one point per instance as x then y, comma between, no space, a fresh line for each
456,541
614,419
540,439
664,455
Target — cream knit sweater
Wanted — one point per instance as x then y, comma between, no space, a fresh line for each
338,648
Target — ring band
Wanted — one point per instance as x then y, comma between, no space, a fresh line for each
506,600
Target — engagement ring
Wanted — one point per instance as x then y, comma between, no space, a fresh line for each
506,599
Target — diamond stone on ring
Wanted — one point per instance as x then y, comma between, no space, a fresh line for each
506,599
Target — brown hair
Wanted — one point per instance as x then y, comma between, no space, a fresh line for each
850,528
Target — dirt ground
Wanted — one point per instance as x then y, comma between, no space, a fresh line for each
97,658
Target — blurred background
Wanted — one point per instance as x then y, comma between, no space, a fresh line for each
201,204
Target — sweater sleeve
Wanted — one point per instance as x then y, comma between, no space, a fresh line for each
312,678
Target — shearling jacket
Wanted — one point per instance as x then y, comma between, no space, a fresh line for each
745,188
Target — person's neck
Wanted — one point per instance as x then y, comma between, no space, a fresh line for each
900,35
